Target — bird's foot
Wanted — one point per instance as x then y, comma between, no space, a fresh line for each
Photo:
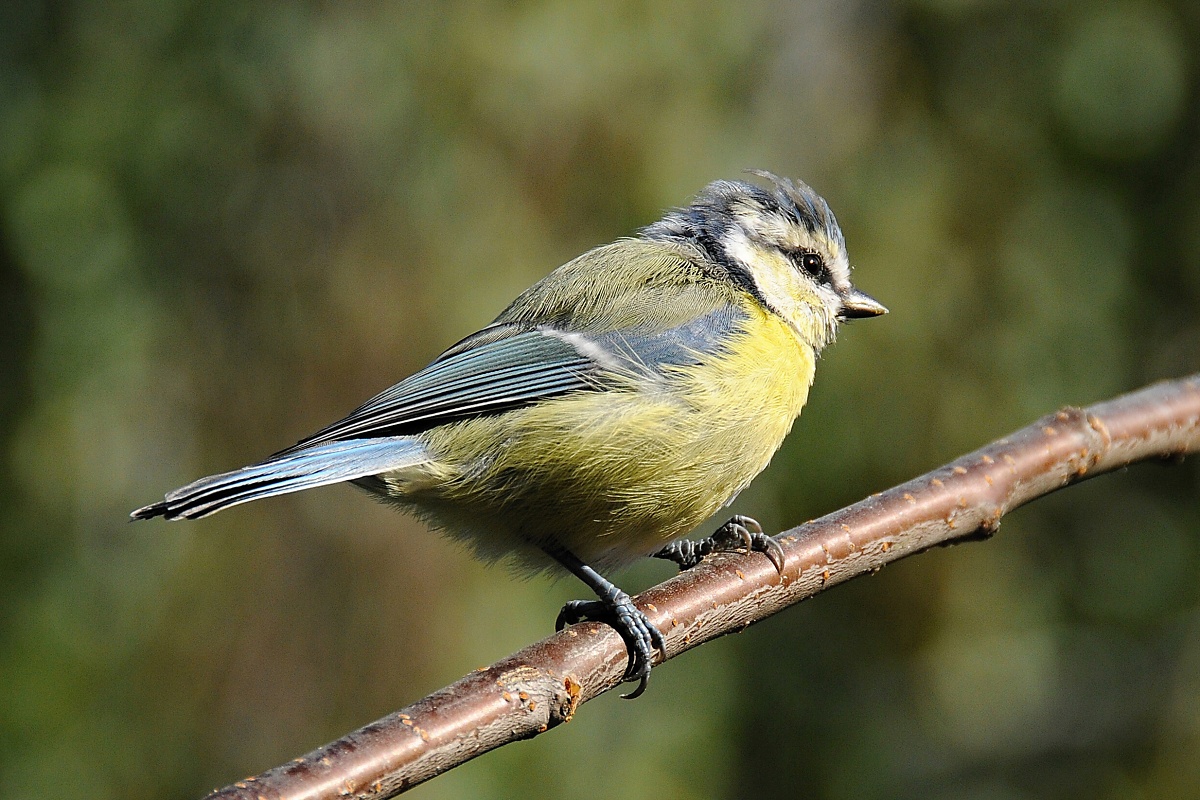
641,637
739,535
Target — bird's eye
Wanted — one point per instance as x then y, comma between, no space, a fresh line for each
812,264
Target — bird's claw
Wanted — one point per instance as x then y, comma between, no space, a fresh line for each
641,636
744,534
740,534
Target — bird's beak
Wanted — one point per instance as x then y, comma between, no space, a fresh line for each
860,305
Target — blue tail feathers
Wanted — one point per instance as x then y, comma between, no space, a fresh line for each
316,466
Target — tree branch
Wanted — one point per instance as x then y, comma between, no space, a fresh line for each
544,684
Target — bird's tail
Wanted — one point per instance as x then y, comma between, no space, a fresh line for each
315,466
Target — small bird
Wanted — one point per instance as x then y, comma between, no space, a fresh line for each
612,408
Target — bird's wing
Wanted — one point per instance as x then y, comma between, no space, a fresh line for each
507,366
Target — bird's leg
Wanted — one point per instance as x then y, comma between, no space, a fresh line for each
615,608
740,534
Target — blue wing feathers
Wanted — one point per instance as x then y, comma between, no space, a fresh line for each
495,376
683,344
513,366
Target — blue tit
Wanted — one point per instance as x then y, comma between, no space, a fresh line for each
613,407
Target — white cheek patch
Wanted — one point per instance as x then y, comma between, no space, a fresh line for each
776,278
810,309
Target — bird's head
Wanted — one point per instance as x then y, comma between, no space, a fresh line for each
783,245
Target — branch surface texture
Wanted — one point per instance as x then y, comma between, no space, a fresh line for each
544,684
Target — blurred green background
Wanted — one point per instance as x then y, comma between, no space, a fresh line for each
224,224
